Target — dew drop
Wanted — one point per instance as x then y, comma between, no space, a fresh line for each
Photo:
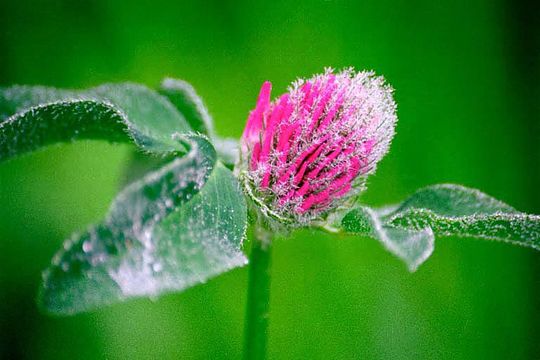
65,266
157,267
87,246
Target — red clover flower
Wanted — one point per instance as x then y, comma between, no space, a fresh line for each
311,149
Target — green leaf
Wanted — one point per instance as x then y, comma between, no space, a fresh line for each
176,227
184,97
452,210
454,200
34,116
444,210
412,246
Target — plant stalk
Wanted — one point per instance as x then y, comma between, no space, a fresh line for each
258,296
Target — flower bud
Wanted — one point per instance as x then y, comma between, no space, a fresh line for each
311,149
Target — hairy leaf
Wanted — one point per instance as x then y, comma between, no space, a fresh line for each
445,210
176,227
184,97
412,246
454,200
34,116
455,210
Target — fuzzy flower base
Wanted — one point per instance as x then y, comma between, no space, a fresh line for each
312,148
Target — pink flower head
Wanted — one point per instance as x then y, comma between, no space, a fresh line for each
309,150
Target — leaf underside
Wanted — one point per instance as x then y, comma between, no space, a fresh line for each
408,229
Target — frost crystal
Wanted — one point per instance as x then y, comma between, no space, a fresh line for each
311,149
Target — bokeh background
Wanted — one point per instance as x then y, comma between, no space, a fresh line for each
467,79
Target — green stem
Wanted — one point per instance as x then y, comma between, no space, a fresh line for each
258,297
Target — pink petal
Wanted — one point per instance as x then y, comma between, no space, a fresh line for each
332,112
255,156
255,119
314,200
285,176
269,136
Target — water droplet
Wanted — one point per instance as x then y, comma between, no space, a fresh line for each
65,266
157,267
87,246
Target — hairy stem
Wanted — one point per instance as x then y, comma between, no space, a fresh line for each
258,297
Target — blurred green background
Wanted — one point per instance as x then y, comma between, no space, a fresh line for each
467,78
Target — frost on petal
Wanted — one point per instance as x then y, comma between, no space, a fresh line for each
311,149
